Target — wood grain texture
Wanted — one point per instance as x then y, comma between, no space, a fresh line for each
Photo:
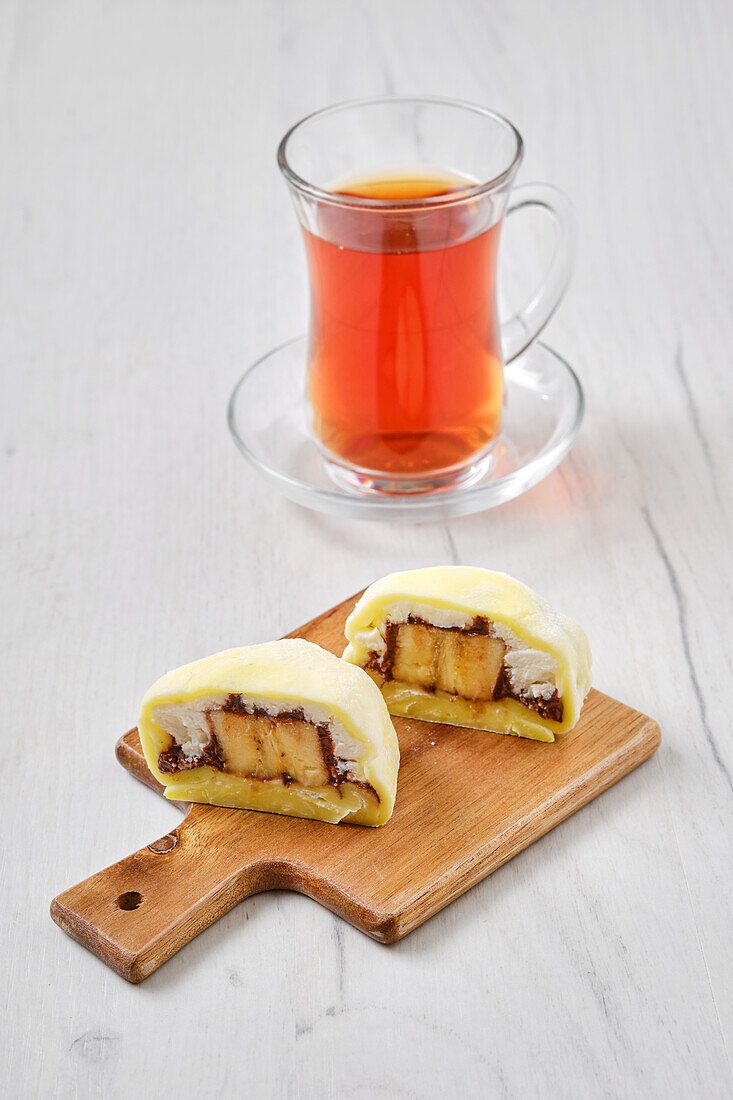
467,801
148,253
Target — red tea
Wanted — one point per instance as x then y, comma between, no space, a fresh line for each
405,369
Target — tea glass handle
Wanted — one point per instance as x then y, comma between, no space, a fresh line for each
520,330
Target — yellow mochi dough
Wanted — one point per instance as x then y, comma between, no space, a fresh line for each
469,647
284,727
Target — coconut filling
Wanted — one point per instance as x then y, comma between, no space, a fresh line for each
260,739
460,654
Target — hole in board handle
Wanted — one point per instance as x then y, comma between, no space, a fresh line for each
131,899
166,844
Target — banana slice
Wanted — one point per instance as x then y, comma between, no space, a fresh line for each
285,727
468,647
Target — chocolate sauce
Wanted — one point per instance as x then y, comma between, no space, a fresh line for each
550,708
175,760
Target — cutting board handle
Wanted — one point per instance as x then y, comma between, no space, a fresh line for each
137,913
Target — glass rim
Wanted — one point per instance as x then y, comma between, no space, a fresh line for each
453,197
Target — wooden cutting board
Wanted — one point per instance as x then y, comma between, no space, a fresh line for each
467,801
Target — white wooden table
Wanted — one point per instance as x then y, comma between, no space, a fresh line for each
147,254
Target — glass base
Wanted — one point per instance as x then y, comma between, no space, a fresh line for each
352,480
269,420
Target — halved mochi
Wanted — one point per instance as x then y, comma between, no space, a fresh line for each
469,647
284,727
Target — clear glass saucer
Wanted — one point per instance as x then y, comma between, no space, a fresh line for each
269,420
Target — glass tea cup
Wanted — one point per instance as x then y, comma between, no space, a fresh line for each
401,201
